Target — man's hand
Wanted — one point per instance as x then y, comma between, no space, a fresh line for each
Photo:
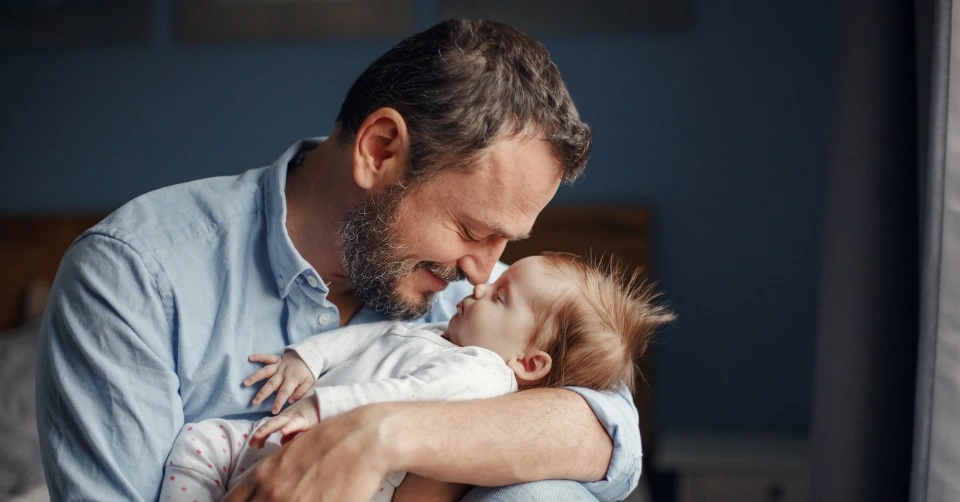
416,488
490,442
288,375
341,459
292,421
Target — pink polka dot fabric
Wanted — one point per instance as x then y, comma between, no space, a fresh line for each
209,457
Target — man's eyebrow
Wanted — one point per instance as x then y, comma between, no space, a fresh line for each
502,233
512,238
499,231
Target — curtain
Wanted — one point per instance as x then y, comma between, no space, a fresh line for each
936,452
866,355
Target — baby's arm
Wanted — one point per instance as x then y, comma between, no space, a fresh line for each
292,421
294,373
288,375
326,350
464,373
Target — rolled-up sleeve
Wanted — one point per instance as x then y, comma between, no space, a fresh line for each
107,392
618,414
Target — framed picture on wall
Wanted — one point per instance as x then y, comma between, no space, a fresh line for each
73,23
578,17
292,20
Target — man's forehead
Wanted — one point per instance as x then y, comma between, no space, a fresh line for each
504,190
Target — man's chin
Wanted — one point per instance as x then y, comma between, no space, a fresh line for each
408,309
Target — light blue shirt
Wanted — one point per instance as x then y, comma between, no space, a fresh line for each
153,314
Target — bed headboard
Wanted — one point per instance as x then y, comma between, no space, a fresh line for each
30,251
620,230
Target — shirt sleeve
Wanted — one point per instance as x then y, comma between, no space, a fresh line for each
618,414
326,350
465,373
108,406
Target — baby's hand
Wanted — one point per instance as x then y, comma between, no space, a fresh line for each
294,420
288,375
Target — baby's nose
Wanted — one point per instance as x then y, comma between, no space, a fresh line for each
478,290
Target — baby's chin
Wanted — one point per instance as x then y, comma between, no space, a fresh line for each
450,337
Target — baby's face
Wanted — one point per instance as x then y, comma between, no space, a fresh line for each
499,316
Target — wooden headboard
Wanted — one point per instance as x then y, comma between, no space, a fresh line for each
30,251
620,230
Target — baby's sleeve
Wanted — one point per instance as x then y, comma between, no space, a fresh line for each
326,350
464,373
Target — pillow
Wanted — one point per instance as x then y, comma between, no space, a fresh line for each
20,468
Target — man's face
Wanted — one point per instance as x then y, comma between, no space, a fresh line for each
400,248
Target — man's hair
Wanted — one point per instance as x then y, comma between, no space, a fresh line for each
595,332
460,86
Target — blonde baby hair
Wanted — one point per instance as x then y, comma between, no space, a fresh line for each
595,331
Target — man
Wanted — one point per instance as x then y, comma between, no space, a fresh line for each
446,148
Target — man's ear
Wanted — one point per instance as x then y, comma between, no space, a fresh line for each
532,367
380,149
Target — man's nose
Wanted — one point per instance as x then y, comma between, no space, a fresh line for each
479,290
478,265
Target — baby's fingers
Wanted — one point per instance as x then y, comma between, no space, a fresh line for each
259,436
260,374
264,358
267,389
290,430
278,402
289,387
301,391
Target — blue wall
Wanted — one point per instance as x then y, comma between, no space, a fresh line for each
724,130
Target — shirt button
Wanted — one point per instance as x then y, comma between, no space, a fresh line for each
323,318
280,281
312,281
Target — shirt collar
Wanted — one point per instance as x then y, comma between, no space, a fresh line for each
285,260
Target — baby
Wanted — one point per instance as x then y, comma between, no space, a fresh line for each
548,321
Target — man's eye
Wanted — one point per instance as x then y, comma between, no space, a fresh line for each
468,236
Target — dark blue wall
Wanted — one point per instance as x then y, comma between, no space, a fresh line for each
724,130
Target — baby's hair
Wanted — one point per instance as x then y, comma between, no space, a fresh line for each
596,330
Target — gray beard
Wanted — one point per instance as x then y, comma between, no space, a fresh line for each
373,260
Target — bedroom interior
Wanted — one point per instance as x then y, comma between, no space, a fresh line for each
720,165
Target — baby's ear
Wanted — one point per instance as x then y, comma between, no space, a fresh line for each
531,368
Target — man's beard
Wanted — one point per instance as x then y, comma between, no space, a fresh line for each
373,257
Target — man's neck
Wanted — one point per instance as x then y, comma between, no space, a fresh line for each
319,191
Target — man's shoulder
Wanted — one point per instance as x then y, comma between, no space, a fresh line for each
185,212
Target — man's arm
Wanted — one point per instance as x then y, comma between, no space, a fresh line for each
503,440
619,417
107,399
496,441
416,488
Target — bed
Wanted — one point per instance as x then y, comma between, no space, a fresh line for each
31,248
